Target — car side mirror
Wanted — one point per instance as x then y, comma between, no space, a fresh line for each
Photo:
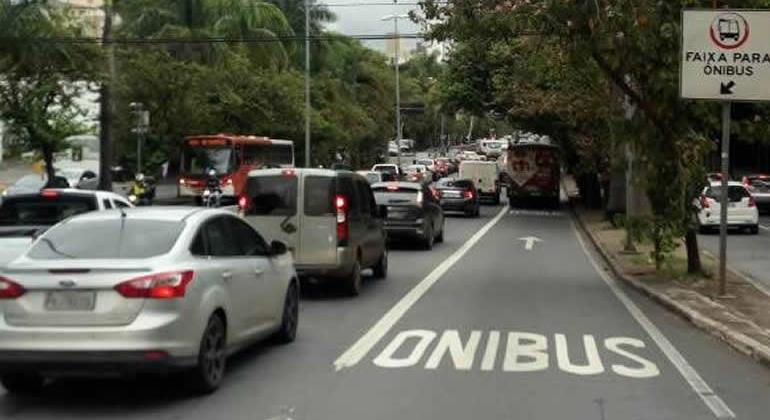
382,211
278,248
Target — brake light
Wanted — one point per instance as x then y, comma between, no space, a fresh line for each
156,286
49,193
288,172
243,203
752,203
10,289
468,194
704,202
341,208
392,187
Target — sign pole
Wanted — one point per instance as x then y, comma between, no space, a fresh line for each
723,199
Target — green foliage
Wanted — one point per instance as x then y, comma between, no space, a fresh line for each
41,81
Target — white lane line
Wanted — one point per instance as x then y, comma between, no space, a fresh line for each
358,351
764,227
704,391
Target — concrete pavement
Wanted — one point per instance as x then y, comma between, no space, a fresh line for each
502,333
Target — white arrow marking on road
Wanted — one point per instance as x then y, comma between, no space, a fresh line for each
530,242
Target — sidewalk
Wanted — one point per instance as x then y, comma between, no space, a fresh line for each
742,320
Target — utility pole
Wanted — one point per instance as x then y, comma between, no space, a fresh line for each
397,40
308,108
105,102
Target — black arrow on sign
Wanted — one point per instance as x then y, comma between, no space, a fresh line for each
727,88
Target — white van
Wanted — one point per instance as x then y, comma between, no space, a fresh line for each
485,176
329,219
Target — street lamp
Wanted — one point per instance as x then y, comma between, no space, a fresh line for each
395,19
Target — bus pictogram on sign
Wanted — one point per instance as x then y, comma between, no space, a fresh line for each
729,31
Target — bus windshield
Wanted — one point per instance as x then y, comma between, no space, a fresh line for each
199,159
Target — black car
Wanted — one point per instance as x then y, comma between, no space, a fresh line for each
413,211
458,195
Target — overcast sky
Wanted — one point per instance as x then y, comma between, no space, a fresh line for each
363,17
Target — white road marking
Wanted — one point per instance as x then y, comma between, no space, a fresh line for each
764,227
490,354
530,242
704,391
360,348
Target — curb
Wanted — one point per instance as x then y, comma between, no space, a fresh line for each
735,339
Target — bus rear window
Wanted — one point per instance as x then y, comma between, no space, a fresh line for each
199,159
272,195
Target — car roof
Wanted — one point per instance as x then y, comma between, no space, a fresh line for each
412,185
729,184
167,213
298,171
68,191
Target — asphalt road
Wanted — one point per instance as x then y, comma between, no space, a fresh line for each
478,328
747,254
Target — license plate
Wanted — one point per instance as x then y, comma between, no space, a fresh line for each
451,194
70,301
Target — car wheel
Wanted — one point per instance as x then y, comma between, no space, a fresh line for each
440,236
354,281
754,230
428,238
380,270
496,200
207,375
22,382
290,319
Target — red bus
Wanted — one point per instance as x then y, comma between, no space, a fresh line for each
232,156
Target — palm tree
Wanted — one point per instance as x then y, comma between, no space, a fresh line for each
261,24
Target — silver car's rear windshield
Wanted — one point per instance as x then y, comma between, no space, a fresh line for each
106,239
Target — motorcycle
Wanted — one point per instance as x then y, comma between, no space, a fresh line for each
142,192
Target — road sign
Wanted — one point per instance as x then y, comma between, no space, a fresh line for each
725,55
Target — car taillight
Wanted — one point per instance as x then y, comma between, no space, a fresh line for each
752,203
226,181
341,208
49,193
10,289
156,286
704,202
468,194
288,172
243,203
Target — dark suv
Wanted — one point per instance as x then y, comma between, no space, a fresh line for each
412,211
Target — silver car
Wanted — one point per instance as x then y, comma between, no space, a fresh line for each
143,289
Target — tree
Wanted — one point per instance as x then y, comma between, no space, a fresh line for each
634,47
39,81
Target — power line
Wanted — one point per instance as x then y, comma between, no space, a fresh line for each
208,40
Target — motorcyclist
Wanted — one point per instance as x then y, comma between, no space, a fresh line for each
212,186
140,190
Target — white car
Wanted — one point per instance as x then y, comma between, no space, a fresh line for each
485,176
742,210
81,178
143,289
24,215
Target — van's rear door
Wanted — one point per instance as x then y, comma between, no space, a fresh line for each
272,207
318,236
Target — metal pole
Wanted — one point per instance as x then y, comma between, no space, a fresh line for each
726,108
398,94
307,84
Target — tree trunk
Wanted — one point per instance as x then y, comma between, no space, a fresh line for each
50,171
105,103
693,255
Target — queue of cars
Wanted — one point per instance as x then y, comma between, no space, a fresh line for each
90,283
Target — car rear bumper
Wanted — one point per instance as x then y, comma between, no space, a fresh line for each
712,219
93,362
338,268
458,205
397,229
